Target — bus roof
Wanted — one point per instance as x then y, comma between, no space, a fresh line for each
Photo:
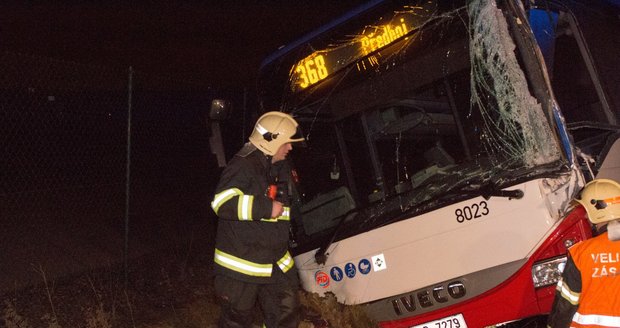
336,22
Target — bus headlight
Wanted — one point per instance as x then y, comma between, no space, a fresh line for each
548,272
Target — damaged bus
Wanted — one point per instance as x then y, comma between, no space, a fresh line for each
445,141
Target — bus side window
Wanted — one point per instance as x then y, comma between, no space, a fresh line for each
570,77
572,83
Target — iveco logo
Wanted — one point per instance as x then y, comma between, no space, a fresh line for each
429,297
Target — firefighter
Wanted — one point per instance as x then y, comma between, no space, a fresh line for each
252,260
588,294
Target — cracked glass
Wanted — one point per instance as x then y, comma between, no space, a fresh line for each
417,107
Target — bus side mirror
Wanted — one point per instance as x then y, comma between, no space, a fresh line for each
220,111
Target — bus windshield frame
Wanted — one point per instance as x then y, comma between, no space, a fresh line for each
444,112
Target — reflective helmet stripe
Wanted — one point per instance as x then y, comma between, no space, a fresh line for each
261,129
286,262
613,200
223,197
242,266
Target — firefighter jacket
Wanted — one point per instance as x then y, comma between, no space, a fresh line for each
249,244
588,295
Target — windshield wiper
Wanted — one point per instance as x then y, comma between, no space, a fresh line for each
475,183
490,190
321,254
476,186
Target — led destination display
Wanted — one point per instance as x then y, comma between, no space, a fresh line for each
323,63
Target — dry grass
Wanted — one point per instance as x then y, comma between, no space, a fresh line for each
162,292
159,293
338,315
11,318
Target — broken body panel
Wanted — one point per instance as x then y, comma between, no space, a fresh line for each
436,180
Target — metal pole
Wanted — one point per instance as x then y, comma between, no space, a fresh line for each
245,104
128,172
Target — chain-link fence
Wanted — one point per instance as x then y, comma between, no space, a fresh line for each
98,165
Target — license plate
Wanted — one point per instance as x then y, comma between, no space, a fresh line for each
454,321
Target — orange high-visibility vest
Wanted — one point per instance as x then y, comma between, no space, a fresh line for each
598,260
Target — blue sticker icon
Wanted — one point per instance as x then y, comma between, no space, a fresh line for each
364,266
336,273
350,270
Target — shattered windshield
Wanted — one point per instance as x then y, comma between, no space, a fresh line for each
424,103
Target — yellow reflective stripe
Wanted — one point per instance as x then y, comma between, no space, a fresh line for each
596,319
244,203
284,217
286,262
224,196
567,293
242,266
286,214
244,208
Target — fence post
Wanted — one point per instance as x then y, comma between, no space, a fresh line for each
128,174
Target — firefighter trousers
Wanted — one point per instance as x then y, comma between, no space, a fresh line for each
279,302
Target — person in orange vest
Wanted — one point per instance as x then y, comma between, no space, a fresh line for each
588,294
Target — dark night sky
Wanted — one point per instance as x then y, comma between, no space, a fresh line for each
221,43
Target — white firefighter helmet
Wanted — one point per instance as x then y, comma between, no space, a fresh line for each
272,130
601,199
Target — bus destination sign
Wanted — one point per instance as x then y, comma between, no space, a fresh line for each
323,63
